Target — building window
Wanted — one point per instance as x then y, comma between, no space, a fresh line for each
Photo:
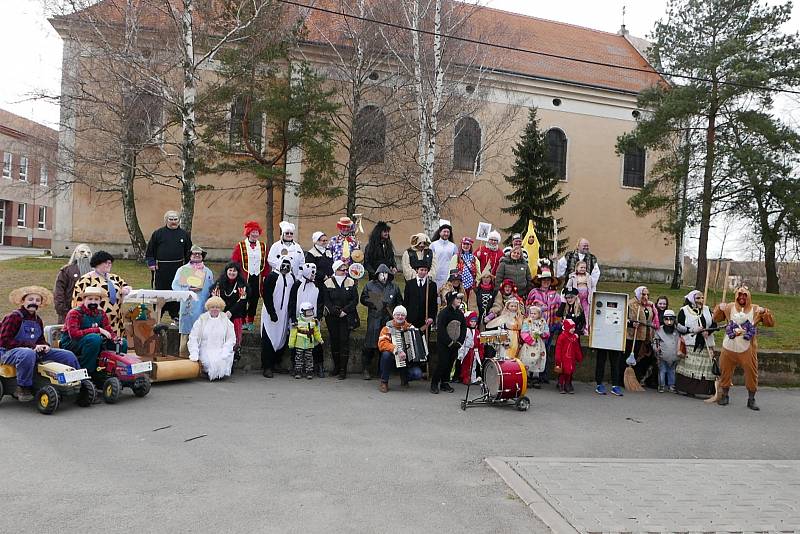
369,137
557,152
21,215
144,112
236,127
23,169
42,224
633,167
467,145
7,157
43,174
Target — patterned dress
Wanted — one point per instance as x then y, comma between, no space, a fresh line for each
113,309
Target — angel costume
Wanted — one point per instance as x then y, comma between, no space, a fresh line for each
534,352
211,343
511,320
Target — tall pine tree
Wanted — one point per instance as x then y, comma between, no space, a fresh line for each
537,195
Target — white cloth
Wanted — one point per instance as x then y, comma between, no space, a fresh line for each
443,252
278,331
307,292
253,258
692,321
293,251
561,268
739,343
211,343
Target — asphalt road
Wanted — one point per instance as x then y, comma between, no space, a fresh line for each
287,455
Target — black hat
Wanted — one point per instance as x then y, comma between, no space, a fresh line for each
570,292
101,256
454,275
452,295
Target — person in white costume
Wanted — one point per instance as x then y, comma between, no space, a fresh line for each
286,246
275,315
212,339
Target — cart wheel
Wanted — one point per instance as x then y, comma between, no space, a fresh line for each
112,388
464,405
141,386
523,403
87,395
47,400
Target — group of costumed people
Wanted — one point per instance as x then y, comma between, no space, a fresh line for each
543,308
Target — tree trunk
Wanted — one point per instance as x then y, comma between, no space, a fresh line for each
770,265
187,110
680,230
352,162
708,175
270,233
128,172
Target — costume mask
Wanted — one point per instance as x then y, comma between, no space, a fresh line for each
383,277
286,266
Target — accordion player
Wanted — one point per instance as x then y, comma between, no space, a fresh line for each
413,344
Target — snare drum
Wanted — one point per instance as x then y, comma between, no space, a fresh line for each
495,337
505,379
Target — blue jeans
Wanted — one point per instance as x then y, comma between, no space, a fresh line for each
387,365
24,359
666,373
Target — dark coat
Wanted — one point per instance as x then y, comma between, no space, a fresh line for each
324,264
375,256
564,312
515,270
414,301
68,275
230,294
389,295
443,340
340,298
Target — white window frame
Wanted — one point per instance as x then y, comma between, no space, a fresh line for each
44,175
24,208
24,163
41,223
8,164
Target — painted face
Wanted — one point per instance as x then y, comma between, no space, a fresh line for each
444,233
310,271
383,277
253,236
583,246
92,301
286,266
104,268
32,302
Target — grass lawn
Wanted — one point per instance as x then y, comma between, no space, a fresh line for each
36,271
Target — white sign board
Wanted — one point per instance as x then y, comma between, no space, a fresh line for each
609,321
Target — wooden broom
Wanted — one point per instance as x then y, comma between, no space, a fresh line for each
629,378
718,390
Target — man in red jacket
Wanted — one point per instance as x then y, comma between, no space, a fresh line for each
251,255
490,253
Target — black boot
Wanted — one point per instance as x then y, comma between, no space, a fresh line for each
365,361
724,400
751,402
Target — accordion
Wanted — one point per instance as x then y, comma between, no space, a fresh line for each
413,343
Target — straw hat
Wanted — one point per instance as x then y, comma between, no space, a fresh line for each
18,295
93,291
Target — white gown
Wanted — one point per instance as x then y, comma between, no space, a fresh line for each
307,292
211,343
443,252
278,331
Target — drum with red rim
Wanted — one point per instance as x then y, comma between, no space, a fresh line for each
505,379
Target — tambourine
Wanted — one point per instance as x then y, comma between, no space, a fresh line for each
357,256
356,270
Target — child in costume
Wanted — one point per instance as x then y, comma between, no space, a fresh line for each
305,335
485,293
510,319
582,281
568,355
471,352
666,344
534,352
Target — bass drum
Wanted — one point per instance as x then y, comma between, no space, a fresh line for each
505,379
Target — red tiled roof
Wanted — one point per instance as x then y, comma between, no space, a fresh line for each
499,27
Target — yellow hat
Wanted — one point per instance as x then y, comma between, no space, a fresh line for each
18,295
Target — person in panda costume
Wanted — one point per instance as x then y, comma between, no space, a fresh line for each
306,290
275,314
286,246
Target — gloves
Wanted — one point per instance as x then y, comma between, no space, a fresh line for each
273,317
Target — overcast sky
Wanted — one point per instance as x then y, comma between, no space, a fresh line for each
31,50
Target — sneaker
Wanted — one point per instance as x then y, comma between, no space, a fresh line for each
661,389
563,391
616,390
672,389
446,387
298,376
310,376
600,389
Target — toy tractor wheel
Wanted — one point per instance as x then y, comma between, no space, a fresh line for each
141,386
112,388
87,395
523,403
47,400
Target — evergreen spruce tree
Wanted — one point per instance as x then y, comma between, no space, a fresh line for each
537,195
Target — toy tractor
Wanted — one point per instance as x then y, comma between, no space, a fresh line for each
116,371
52,383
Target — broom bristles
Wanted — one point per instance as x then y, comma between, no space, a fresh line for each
629,378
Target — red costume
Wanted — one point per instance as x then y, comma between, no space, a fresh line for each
487,256
472,346
252,258
568,355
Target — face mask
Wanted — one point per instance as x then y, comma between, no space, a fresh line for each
93,306
383,277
